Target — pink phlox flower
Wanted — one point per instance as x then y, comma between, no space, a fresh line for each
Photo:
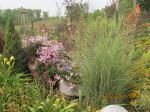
57,77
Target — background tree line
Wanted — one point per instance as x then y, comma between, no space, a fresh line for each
32,14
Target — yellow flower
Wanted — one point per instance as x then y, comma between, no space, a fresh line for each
138,93
5,60
12,58
135,94
133,103
8,63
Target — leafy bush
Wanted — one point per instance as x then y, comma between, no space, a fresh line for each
54,104
10,83
105,67
141,103
18,95
25,56
6,68
144,5
141,70
12,42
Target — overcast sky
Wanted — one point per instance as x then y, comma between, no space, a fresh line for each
48,5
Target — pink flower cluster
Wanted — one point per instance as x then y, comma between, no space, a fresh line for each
52,53
49,50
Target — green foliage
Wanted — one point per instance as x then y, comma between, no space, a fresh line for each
25,56
40,68
146,56
95,15
136,53
13,47
38,14
6,67
54,104
142,102
12,41
32,15
10,84
17,95
104,62
45,14
1,19
144,4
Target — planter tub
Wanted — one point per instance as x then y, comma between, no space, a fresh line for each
68,89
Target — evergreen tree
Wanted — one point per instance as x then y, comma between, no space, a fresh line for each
38,14
12,45
45,14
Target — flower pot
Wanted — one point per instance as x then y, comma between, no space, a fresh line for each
68,89
113,108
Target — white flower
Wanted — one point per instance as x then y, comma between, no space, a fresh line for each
12,58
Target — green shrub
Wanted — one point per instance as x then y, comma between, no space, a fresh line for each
54,104
12,41
10,83
105,67
142,102
19,94
25,56
13,47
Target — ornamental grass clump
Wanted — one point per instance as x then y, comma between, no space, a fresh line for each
105,67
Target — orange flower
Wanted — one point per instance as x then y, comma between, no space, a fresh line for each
148,24
138,10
